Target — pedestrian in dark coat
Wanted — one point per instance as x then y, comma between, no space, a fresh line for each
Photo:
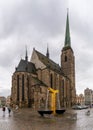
9,110
3,109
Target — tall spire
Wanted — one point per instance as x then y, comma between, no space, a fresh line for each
67,33
26,56
47,54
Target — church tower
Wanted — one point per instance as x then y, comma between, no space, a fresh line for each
68,61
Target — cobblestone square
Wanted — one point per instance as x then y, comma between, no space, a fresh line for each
26,119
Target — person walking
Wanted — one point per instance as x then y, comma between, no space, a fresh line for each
9,110
3,109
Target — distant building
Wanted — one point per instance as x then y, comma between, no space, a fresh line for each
8,100
80,99
31,79
88,96
2,101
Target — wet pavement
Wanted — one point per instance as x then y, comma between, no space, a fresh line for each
27,119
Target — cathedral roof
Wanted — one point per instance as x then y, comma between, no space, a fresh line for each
36,81
25,66
49,63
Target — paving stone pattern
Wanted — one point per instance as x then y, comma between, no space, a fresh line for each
27,119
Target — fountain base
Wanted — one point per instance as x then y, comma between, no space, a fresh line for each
60,111
42,112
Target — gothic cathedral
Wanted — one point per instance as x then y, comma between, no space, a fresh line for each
31,79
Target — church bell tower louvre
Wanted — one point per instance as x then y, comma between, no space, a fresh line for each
68,61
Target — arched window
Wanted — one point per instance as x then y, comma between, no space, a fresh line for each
51,80
63,86
62,89
22,87
17,87
28,92
28,85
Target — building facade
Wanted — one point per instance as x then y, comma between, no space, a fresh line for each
80,99
88,96
8,100
2,101
31,79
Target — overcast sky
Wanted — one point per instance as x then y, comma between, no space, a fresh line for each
36,23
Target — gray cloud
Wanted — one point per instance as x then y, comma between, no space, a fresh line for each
42,16
5,93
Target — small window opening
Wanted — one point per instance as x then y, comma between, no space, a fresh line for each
65,58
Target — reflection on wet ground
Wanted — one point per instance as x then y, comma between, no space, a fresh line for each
26,119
